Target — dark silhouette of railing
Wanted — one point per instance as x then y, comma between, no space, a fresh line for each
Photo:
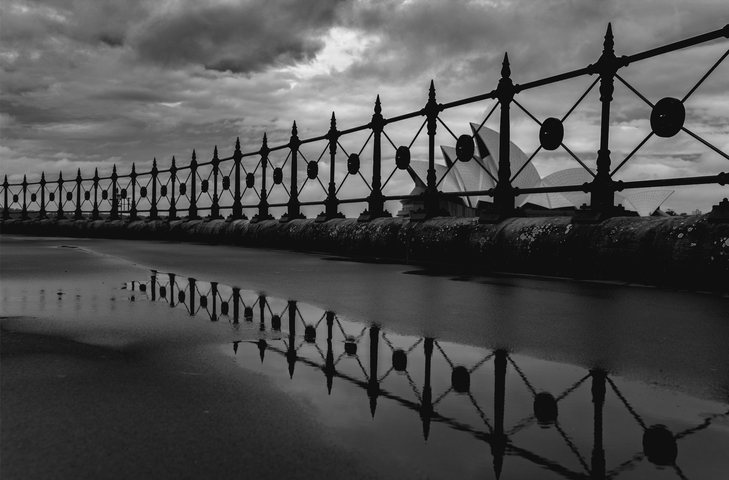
198,187
224,303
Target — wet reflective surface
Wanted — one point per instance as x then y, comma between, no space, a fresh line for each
382,403
529,416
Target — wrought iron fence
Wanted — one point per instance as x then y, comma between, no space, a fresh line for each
212,187
431,379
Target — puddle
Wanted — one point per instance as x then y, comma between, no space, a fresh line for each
400,376
453,409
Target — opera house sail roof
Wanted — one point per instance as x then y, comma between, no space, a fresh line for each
482,171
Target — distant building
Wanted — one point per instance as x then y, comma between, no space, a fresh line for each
482,171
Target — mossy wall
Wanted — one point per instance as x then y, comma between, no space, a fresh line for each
686,252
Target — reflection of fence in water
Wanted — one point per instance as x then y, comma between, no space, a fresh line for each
320,340
238,183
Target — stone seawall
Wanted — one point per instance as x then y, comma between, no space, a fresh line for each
685,252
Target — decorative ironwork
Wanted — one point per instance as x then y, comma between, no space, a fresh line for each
350,354
196,187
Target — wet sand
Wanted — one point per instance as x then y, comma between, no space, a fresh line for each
675,338
95,385
73,410
89,392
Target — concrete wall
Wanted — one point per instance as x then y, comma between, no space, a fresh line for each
685,252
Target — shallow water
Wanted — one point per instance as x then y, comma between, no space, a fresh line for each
390,402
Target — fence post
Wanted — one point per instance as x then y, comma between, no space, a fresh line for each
597,463
95,211
237,204
236,305
373,384
331,203
6,207
294,206
192,211
42,212
191,283
173,177
376,201
215,207
214,295
329,370
430,196
602,194
153,286
172,288
133,206
291,351
263,202
153,207
498,445
426,406
114,214
77,213
262,311
504,192
24,213
59,212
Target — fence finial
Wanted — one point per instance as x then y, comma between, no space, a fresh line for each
294,130
609,43
154,162
431,90
173,162
96,172
265,140
113,169
237,143
215,153
505,66
194,156
60,176
378,105
134,168
333,122
78,173
43,176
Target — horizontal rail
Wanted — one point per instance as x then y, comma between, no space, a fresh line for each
671,47
585,187
721,179
179,191
589,70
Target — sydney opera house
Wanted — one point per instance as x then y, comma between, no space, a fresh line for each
481,172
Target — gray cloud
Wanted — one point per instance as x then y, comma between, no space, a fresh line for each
37,22
456,41
135,94
238,37
108,81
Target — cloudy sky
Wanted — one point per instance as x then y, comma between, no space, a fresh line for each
95,82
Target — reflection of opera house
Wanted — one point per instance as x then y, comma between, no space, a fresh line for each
481,172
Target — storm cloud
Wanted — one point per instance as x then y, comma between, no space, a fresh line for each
238,37
102,82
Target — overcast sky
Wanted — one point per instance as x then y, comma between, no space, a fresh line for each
97,82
